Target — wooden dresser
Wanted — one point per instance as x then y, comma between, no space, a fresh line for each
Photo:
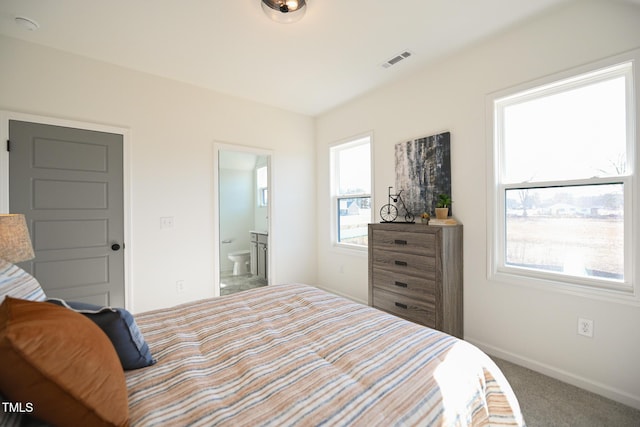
415,272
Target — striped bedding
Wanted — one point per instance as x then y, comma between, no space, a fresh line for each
295,355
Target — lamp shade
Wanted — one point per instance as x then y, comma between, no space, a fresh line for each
15,245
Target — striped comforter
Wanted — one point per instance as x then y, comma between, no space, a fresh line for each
295,355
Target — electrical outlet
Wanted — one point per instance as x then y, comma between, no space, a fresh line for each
585,327
180,286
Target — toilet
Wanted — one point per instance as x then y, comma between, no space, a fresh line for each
240,261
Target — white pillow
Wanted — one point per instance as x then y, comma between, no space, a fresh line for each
17,283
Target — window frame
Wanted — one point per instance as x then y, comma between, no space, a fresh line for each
335,197
262,193
497,270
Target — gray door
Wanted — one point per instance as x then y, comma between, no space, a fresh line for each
69,184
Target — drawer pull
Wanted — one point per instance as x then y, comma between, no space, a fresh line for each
400,284
402,263
400,242
401,305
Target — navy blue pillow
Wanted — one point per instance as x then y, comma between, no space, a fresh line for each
120,327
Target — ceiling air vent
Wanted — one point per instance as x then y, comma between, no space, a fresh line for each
396,59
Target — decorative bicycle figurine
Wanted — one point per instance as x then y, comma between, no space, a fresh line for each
389,212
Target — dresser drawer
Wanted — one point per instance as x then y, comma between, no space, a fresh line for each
417,311
405,242
415,272
413,286
404,263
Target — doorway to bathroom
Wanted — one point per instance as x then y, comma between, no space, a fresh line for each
243,218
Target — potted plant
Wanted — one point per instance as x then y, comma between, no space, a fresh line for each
425,217
442,207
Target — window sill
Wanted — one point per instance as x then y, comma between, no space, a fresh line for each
621,294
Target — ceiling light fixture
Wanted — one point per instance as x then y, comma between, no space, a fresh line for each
284,11
27,23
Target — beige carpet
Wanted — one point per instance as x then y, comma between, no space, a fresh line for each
548,402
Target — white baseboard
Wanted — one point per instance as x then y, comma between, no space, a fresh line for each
559,374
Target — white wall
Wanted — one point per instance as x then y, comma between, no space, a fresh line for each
529,326
173,127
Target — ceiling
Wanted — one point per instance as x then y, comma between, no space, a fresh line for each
335,53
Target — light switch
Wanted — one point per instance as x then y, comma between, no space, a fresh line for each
166,222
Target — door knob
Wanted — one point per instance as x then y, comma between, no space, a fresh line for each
115,247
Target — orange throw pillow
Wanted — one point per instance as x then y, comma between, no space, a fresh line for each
62,363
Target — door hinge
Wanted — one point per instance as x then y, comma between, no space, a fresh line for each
8,145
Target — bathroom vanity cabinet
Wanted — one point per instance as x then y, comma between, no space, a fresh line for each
259,255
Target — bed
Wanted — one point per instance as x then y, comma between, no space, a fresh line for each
296,355
290,355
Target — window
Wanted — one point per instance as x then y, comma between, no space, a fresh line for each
351,191
561,195
262,186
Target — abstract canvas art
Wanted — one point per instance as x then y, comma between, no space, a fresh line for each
423,171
